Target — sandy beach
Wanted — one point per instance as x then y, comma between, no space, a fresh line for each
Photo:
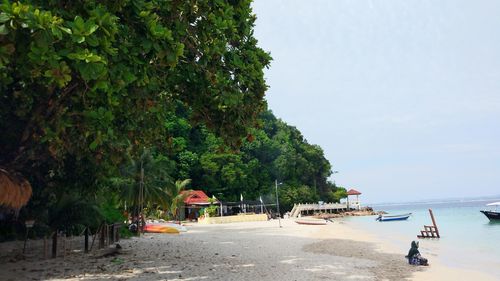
240,251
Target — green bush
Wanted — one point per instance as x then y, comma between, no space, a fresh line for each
111,212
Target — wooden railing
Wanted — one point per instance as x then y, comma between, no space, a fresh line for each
299,208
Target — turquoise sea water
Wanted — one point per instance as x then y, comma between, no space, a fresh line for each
468,239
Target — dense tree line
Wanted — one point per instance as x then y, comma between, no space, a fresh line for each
92,92
272,151
86,86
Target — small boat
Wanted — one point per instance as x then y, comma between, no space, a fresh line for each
492,215
311,221
393,217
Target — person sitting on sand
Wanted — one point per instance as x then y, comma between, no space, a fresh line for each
414,256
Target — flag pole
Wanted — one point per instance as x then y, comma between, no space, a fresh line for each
278,202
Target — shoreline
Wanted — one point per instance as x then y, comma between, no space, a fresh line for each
437,271
243,251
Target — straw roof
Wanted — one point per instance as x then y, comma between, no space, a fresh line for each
15,191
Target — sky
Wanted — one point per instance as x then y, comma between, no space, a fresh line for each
403,96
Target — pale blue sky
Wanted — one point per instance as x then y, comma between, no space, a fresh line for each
403,96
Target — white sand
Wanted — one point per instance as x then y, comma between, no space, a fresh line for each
240,251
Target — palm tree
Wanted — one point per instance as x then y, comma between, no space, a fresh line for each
142,182
70,212
176,194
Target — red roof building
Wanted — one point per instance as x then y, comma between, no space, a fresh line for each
196,197
195,201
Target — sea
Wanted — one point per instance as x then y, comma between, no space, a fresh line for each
469,240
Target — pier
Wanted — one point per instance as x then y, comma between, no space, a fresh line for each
327,208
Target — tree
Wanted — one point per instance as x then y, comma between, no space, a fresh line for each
88,83
272,151
143,182
290,195
176,195
72,211
83,68
338,193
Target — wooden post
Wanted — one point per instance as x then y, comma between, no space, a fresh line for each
430,231
106,235
70,244
87,239
101,236
45,247
93,239
112,235
25,240
434,223
54,244
64,245
118,232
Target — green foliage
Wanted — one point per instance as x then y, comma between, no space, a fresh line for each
85,86
339,193
272,151
72,212
144,180
175,196
211,210
290,195
82,69
125,232
110,209
90,83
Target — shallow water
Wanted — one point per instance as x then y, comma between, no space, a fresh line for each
468,239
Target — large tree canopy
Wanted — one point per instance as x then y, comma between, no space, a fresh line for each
86,86
88,80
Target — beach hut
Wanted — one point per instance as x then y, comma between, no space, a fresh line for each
356,203
15,191
194,201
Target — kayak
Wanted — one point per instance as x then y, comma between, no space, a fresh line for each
162,228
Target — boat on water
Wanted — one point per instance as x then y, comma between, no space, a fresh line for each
492,215
311,221
401,217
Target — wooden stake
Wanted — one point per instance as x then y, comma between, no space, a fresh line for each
434,223
95,235
101,237
64,246
118,233
87,239
45,247
54,245
107,235
430,231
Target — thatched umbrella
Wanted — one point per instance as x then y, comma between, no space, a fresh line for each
15,191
